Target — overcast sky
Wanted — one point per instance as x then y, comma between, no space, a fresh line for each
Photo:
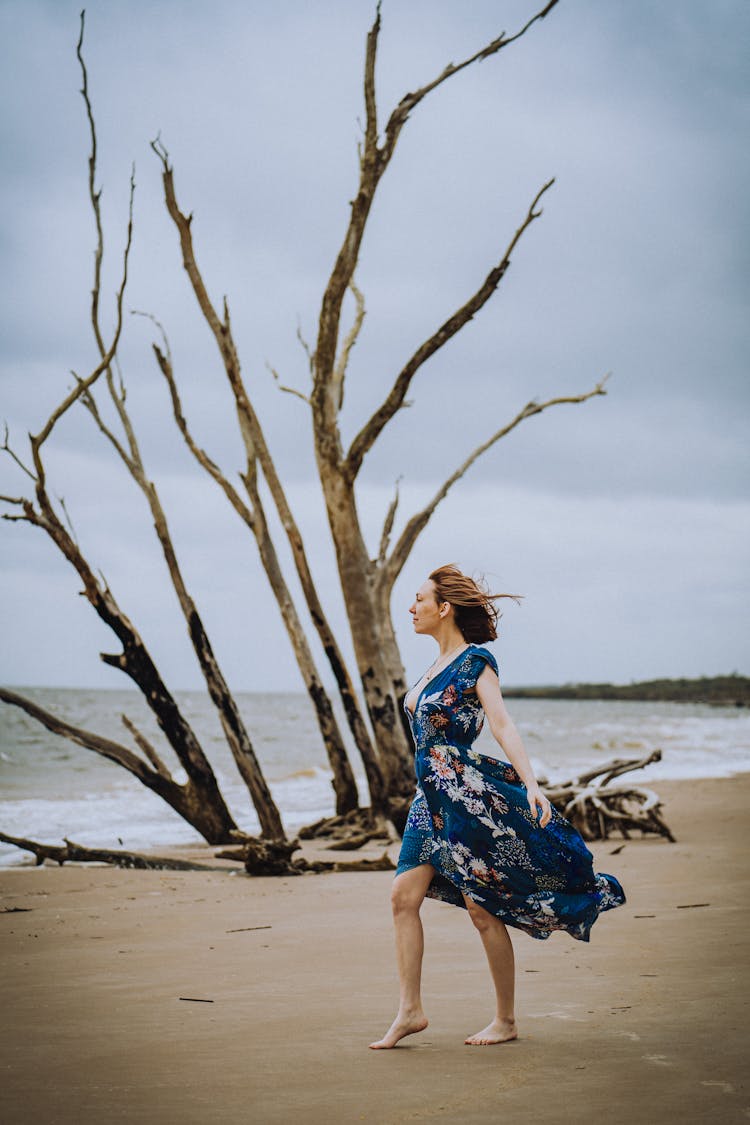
623,521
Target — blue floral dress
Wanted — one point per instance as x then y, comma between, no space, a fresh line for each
470,819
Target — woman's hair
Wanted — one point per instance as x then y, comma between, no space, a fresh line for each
473,604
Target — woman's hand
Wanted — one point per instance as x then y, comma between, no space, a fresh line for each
507,737
537,802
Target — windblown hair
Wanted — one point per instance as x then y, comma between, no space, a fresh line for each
473,605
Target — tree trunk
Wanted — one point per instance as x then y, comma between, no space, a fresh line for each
344,785
392,657
366,623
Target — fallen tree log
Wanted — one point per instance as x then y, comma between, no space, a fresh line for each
77,853
259,857
596,810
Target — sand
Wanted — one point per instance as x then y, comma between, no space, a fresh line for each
646,1024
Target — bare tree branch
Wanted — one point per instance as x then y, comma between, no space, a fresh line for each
326,397
90,403
146,747
107,354
341,365
306,349
373,163
159,327
90,741
221,329
121,389
82,385
183,224
385,536
372,429
371,109
400,114
6,448
165,366
68,520
29,515
283,387
419,521
94,195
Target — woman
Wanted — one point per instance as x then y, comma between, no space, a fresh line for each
480,832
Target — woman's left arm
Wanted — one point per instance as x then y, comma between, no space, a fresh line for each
506,735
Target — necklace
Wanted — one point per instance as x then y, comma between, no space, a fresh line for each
431,670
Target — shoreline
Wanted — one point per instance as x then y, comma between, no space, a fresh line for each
16,859
643,1024
52,789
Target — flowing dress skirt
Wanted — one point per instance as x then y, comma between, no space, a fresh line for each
471,821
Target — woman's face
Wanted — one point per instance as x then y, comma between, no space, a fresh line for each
424,610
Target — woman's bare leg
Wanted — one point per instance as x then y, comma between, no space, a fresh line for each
499,950
407,896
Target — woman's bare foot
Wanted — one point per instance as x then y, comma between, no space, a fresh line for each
405,1023
499,1031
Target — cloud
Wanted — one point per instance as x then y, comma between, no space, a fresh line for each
638,265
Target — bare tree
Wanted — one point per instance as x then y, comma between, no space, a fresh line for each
200,800
366,578
367,583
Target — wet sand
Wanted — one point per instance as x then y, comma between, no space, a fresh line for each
646,1024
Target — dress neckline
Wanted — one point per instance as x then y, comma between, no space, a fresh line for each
431,680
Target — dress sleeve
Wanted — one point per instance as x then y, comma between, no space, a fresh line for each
472,666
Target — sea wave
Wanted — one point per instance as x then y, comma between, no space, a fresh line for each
51,789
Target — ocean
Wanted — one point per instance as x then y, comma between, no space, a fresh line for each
51,788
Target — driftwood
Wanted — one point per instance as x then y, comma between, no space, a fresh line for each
264,857
384,863
77,853
274,857
348,832
596,810
259,857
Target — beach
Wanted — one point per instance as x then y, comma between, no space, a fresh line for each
192,997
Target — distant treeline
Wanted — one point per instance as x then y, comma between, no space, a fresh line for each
721,691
